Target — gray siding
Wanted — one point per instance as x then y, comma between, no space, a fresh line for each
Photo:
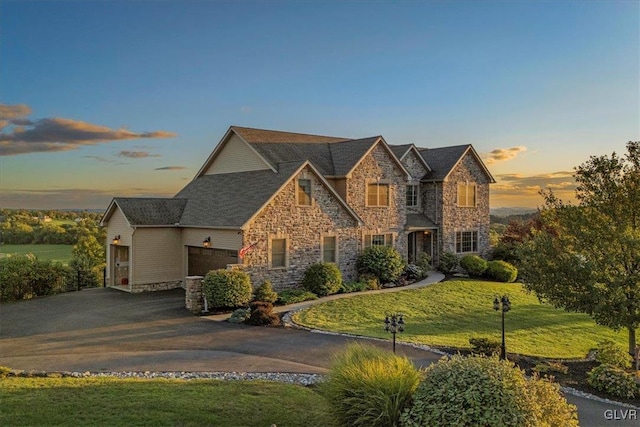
236,156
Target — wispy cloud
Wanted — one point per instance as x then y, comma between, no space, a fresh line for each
57,134
137,154
171,168
503,154
99,159
70,197
524,190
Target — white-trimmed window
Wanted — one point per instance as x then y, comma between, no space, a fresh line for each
385,239
278,253
329,249
466,242
304,192
467,194
412,195
377,194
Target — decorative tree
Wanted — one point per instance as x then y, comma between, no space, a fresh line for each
587,257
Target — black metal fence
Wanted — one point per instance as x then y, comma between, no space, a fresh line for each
85,279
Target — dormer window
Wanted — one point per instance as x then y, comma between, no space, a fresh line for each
304,192
377,194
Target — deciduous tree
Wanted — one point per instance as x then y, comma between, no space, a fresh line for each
587,257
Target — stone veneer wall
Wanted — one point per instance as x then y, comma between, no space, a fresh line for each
461,218
417,170
303,226
159,286
193,298
379,164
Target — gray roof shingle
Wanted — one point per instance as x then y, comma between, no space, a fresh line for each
141,211
442,160
229,200
252,135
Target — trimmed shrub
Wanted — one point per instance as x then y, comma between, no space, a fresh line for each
413,272
423,260
227,288
348,287
240,315
502,271
551,367
367,386
322,278
485,346
473,265
292,296
371,280
488,392
612,380
384,262
608,353
25,277
265,292
448,263
262,314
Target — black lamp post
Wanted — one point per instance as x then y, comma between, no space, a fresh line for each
394,323
503,304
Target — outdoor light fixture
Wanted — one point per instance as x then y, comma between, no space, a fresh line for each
394,323
116,240
207,242
503,304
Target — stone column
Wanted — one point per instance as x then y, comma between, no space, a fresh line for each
194,301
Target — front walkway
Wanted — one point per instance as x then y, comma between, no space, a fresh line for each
434,277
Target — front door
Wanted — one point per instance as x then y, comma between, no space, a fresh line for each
120,265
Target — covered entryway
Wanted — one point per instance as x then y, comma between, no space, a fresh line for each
422,236
202,260
120,265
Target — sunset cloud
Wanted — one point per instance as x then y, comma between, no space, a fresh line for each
137,154
503,154
57,134
524,190
171,168
71,197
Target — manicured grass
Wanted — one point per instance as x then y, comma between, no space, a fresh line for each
56,253
117,402
449,313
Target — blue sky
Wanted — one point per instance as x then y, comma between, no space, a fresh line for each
112,98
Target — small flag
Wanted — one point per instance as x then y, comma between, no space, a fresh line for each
246,249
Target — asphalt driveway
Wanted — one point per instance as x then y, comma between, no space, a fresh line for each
107,330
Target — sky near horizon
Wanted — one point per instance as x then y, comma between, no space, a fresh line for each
128,98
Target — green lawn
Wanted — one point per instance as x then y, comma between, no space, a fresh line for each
117,402
449,313
56,253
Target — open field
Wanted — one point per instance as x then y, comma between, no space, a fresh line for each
118,402
56,253
447,314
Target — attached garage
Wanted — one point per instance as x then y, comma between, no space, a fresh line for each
202,260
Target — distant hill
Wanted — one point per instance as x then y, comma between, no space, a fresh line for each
503,212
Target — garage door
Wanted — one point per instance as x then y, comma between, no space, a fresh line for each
203,260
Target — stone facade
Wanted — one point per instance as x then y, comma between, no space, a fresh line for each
379,166
455,218
159,286
194,299
303,227
417,170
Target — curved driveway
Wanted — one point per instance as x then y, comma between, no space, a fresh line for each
107,330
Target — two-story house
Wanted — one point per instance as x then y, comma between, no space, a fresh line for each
272,203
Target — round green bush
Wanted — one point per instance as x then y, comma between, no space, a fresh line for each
225,288
482,391
322,278
609,353
384,262
474,265
612,380
448,263
369,387
265,293
502,271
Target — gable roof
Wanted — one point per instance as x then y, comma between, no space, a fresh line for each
252,135
147,211
401,152
443,160
216,200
